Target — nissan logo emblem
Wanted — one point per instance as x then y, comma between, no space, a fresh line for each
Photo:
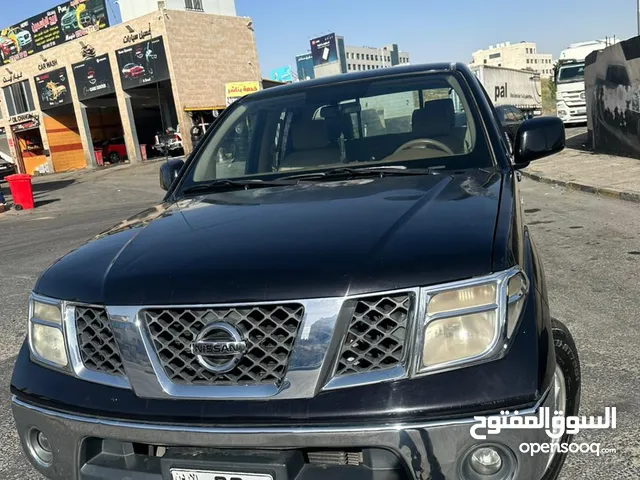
219,347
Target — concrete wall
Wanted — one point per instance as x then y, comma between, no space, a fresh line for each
612,81
226,52
130,9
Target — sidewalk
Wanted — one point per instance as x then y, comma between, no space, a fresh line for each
578,168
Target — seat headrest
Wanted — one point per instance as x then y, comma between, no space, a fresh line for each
434,119
309,134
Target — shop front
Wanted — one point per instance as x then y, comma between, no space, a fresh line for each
118,90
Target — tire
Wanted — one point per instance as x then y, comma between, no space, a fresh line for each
114,158
568,361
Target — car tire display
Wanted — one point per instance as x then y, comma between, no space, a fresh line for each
569,364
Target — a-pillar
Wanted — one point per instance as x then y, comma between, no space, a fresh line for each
129,127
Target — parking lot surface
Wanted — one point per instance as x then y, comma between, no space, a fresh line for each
590,246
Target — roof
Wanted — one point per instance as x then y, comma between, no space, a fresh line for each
355,76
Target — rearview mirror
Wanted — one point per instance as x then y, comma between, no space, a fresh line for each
169,171
538,138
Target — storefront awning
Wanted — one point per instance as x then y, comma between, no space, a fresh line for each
204,109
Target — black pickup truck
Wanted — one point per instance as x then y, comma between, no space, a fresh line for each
339,300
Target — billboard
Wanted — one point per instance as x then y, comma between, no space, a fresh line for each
282,74
236,90
324,49
53,88
143,63
60,24
304,64
93,77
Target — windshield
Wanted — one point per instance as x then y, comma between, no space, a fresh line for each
418,121
572,73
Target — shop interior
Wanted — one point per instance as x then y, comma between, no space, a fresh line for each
30,149
105,125
155,114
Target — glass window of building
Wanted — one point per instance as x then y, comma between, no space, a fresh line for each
19,98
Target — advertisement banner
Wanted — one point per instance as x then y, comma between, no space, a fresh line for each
236,90
324,49
53,88
143,63
93,77
282,74
60,24
304,63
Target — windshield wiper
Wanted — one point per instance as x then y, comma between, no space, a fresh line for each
346,172
230,185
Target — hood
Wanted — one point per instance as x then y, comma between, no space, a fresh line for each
305,241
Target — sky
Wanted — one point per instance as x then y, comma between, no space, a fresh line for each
430,30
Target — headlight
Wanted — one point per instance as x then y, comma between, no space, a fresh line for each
471,320
46,336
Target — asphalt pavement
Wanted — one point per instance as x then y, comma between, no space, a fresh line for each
591,251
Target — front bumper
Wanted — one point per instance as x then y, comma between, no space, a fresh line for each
427,450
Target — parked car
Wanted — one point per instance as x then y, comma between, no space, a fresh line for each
114,150
330,304
6,168
510,118
131,70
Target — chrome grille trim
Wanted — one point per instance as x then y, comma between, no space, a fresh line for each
269,330
98,349
377,335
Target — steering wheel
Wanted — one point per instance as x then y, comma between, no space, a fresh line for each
425,143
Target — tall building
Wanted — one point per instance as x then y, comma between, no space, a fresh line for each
522,56
130,9
371,58
329,55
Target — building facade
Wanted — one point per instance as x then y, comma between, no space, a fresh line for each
130,9
521,56
371,58
124,85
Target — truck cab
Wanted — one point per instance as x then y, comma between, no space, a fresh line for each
571,103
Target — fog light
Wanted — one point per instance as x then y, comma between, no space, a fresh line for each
486,461
39,447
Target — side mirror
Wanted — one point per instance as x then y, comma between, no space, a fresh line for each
538,138
169,172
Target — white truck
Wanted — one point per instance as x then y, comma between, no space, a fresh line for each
569,78
508,86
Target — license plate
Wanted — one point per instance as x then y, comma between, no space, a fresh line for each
211,475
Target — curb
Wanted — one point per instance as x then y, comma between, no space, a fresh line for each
607,192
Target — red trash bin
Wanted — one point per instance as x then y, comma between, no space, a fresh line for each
143,152
21,191
99,158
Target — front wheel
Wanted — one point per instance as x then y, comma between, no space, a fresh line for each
566,389
114,158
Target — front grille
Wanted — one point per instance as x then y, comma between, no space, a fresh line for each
268,330
376,336
98,349
335,457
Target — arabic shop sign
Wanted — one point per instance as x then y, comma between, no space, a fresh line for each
236,90
53,88
47,64
11,77
134,36
63,23
143,63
